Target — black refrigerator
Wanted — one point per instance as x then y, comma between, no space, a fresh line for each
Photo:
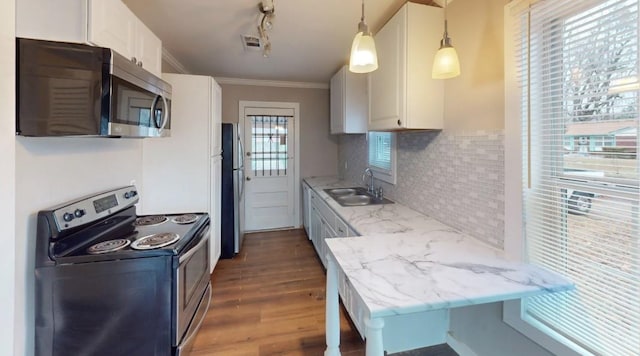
232,181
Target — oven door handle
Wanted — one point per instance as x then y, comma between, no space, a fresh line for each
195,248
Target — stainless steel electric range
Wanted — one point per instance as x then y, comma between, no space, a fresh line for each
109,282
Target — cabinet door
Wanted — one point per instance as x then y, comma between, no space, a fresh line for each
216,118
316,226
306,209
148,49
387,88
326,233
337,94
214,210
112,25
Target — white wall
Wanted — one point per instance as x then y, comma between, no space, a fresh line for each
7,175
476,28
50,171
318,148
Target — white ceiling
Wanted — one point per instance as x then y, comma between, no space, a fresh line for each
310,39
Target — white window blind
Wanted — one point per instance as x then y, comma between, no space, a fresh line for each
380,150
578,70
382,155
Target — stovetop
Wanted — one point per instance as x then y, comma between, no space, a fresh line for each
133,237
66,232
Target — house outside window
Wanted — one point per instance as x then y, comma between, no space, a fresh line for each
578,170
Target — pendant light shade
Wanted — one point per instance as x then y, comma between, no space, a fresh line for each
445,64
364,58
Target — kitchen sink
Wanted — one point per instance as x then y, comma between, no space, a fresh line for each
357,196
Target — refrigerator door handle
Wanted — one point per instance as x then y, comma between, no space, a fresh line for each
241,182
241,150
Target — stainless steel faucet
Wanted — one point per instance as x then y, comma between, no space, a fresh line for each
370,188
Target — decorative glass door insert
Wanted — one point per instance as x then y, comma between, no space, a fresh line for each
270,149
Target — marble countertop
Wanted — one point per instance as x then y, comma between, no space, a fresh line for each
406,262
374,219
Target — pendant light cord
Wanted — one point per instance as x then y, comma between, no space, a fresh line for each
446,32
362,18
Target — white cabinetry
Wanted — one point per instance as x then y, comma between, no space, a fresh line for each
214,210
306,208
179,173
111,24
105,23
402,94
348,102
324,223
148,49
216,109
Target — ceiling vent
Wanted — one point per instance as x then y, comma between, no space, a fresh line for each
251,43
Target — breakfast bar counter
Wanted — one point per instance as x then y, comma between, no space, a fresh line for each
421,272
405,264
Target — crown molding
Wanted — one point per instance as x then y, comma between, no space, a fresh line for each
271,83
169,58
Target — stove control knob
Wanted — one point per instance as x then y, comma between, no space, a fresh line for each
67,217
130,194
79,213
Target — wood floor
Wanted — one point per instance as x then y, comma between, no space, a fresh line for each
269,300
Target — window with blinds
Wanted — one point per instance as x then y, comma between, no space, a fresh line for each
382,155
578,70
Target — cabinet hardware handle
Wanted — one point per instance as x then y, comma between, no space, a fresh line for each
399,123
248,178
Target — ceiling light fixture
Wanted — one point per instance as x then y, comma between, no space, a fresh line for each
364,58
266,24
445,64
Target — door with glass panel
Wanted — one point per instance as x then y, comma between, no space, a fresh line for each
269,172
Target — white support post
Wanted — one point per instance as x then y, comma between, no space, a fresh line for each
374,337
332,323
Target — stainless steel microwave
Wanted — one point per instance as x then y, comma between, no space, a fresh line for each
70,89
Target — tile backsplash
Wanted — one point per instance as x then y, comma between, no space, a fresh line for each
457,178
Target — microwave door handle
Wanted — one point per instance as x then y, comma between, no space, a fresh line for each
153,111
165,117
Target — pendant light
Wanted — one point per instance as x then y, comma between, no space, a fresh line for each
445,64
364,58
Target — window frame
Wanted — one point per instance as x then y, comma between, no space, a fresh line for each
379,173
516,164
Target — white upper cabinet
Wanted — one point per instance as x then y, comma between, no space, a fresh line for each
148,49
105,23
111,24
402,94
60,20
216,120
348,102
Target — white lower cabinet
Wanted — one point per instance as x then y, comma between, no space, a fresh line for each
401,332
306,208
323,223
